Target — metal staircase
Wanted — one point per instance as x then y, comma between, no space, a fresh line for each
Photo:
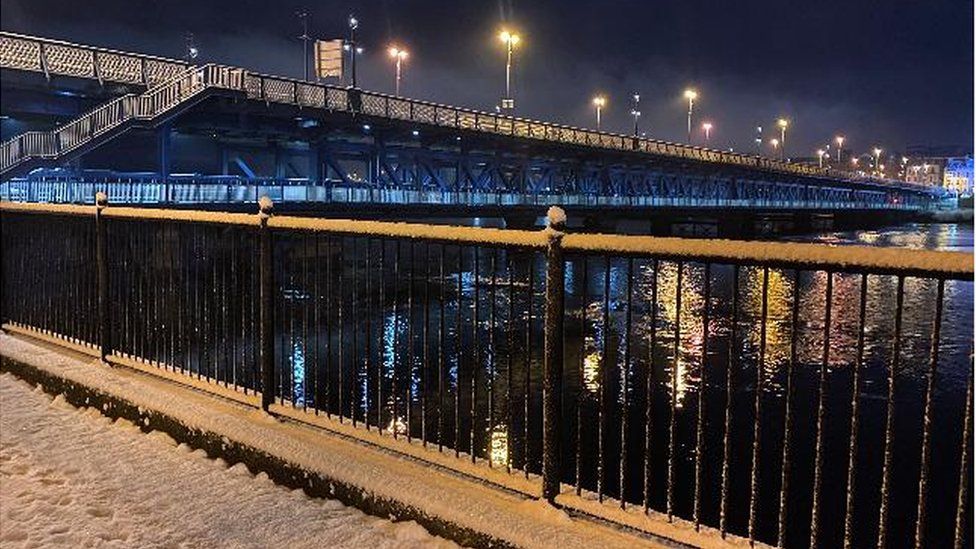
105,122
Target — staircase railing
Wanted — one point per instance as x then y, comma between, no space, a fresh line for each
148,105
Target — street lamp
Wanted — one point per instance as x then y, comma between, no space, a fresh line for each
877,161
303,15
398,56
758,140
840,145
707,128
599,102
690,95
775,143
820,156
782,123
510,40
351,47
635,112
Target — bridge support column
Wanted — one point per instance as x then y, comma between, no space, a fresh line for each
163,148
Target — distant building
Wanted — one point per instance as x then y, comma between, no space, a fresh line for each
925,170
958,175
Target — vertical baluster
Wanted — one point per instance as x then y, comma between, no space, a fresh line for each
923,484
476,362
510,344
890,419
457,354
625,404
316,323
821,402
757,425
354,311
381,363
702,393
441,351
526,400
581,383
649,389
408,386
674,391
729,394
396,332
425,375
368,358
491,355
964,477
602,381
341,295
788,420
327,403
305,293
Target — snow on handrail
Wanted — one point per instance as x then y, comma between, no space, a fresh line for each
415,231
53,209
807,256
956,265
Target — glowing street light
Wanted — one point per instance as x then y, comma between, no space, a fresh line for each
635,112
690,95
758,140
775,143
510,40
599,102
782,123
840,145
351,47
820,156
707,128
877,160
398,55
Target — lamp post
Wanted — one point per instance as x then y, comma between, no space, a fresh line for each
775,143
707,128
599,102
303,15
877,161
820,157
510,40
191,50
840,146
635,112
398,56
782,123
690,95
351,46
758,140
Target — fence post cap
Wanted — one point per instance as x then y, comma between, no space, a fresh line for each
101,199
265,206
556,218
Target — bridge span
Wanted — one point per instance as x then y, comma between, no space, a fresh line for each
161,130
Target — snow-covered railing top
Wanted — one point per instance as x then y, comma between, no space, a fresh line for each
24,52
899,261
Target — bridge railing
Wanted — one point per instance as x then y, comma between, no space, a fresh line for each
55,57
748,389
59,187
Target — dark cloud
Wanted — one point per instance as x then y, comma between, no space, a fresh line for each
894,73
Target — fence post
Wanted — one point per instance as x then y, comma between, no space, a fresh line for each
553,353
101,272
266,305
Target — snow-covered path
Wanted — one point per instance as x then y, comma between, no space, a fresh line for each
74,478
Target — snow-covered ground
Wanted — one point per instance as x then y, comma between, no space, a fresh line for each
74,478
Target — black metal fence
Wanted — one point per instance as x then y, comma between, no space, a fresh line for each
791,394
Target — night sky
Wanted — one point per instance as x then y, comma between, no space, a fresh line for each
891,73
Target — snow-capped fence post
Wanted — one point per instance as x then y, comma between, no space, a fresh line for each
553,352
101,274
266,304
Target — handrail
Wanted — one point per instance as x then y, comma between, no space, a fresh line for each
289,90
146,106
950,265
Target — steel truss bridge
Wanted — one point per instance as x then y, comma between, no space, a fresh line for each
334,144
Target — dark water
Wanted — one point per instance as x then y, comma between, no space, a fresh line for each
609,358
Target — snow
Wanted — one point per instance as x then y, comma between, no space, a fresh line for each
953,264
56,209
417,231
74,478
379,473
